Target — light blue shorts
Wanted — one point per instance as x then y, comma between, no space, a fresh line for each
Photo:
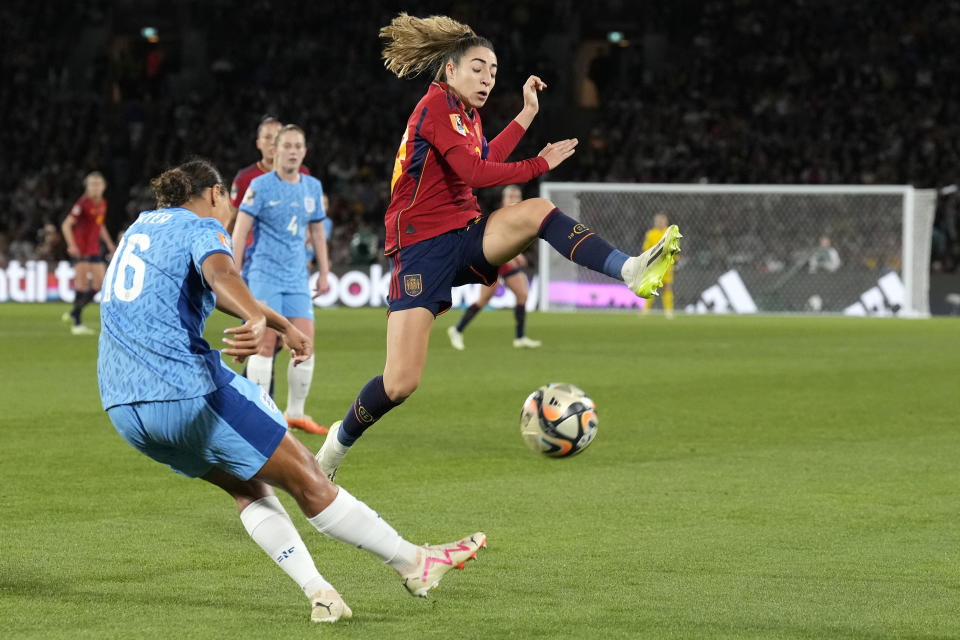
235,428
297,304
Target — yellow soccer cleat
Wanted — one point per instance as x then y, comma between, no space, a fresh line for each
644,274
434,561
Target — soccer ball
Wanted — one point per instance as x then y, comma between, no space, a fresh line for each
558,420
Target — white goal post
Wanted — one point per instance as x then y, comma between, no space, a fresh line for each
853,250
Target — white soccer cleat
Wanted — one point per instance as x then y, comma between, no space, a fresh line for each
643,274
327,606
332,453
434,561
526,343
456,338
81,330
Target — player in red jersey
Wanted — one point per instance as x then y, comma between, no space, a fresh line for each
514,279
436,235
83,229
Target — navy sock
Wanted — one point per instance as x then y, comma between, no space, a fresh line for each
81,299
471,311
520,315
371,404
577,243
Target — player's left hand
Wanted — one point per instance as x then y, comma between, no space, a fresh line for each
246,339
322,285
299,343
530,89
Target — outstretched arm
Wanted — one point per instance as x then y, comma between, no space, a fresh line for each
478,173
234,297
503,145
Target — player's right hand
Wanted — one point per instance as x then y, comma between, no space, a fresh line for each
246,338
556,152
299,343
73,251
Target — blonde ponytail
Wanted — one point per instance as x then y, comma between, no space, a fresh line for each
416,44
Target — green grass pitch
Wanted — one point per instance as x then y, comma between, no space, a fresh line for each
751,478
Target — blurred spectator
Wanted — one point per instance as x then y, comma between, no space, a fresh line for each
50,245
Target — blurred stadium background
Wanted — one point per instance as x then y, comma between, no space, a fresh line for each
762,477
800,92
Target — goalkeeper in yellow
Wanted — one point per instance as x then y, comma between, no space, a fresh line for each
653,237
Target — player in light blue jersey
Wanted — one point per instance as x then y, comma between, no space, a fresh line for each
170,396
279,207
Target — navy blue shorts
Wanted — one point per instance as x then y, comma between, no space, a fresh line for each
424,273
94,258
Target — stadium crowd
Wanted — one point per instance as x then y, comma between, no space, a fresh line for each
802,91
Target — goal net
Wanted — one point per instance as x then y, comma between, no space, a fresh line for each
855,250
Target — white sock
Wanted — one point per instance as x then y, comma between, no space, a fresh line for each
270,527
259,369
298,386
348,520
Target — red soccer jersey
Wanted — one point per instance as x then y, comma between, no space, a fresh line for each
88,217
443,156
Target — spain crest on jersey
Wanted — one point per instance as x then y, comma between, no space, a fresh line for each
457,121
413,284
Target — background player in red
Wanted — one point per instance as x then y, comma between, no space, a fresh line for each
436,235
513,278
83,229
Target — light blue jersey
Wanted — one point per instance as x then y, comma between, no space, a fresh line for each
154,306
281,212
